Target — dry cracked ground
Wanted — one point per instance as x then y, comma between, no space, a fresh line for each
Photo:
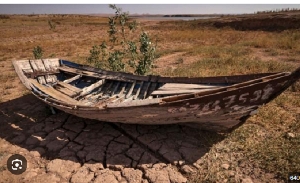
66,148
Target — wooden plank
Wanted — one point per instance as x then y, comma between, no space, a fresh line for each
146,90
128,99
72,79
49,67
216,79
174,92
51,78
135,103
125,75
70,87
24,65
42,80
53,93
120,98
152,88
19,65
106,90
95,75
65,91
138,91
123,89
90,88
115,89
130,90
100,89
34,66
168,86
51,64
96,96
99,93
105,100
40,65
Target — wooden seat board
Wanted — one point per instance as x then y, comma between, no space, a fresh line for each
54,93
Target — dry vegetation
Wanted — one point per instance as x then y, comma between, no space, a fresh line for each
264,149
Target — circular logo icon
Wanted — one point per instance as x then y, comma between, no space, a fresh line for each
17,164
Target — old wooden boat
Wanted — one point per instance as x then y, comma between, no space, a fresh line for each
212,103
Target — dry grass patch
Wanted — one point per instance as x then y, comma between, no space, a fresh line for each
228,66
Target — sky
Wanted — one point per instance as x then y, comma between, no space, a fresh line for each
140,8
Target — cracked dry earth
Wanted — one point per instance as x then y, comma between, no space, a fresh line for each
66,148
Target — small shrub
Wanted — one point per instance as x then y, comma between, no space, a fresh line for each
51,24
139,52
98,55
179,61
37,52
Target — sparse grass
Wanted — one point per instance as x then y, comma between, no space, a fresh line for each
8,86
272,52
5,77
228,66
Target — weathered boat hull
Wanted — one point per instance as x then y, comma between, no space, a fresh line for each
218,109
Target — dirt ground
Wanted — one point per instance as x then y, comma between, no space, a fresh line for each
65,148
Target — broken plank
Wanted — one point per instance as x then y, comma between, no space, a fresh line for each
70,87
90,88
72,79
99,93
65,91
